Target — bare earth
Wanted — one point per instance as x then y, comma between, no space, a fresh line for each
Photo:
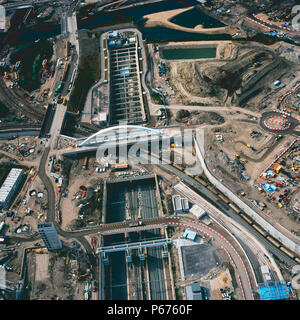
162,19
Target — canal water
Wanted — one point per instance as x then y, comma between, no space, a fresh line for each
189,53
194,17
190,18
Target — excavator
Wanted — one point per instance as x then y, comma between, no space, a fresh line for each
41,251
82,276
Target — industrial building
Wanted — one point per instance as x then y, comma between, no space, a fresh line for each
189,235
126,100
180,204
177,205
185,205
193,291
10,187
49,235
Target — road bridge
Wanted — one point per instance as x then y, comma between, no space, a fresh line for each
134,245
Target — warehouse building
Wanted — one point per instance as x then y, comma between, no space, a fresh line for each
11,187
49,235
177,206
185,205
180,204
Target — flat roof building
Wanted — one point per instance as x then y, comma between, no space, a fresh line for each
273,291
49,235
185,205
189,235
198,296
177,206
196,287
10,187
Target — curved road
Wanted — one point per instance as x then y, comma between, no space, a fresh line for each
291,130
79,235
222,243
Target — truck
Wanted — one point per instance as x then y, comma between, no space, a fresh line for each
2,225
4,239
135,224
84,165
276,83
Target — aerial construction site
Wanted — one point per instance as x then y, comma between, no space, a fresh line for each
149,151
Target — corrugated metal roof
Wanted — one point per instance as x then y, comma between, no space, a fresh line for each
197,296
9,183
196,287
177,202
185,204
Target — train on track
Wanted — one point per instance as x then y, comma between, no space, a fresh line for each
237,210
244,216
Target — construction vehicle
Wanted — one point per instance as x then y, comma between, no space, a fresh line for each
84,165
6,75
64,101
41,251
82,276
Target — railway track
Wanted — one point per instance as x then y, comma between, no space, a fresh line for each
16,102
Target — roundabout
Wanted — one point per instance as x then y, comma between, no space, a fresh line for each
279,123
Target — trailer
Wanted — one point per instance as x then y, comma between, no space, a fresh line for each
234,207
84,165
287,252
2,226
201,181
273,241
246,218
260,230
223,198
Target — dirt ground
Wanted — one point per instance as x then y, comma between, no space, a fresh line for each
54,275
79,177
235,142
220,279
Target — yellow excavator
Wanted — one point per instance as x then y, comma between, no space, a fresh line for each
82,276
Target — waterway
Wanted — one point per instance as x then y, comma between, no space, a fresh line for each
135,15
194,17
189,53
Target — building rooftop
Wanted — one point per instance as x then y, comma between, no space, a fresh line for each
196,287
177,202
189,234
273,291
9,183
197,296
185,204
